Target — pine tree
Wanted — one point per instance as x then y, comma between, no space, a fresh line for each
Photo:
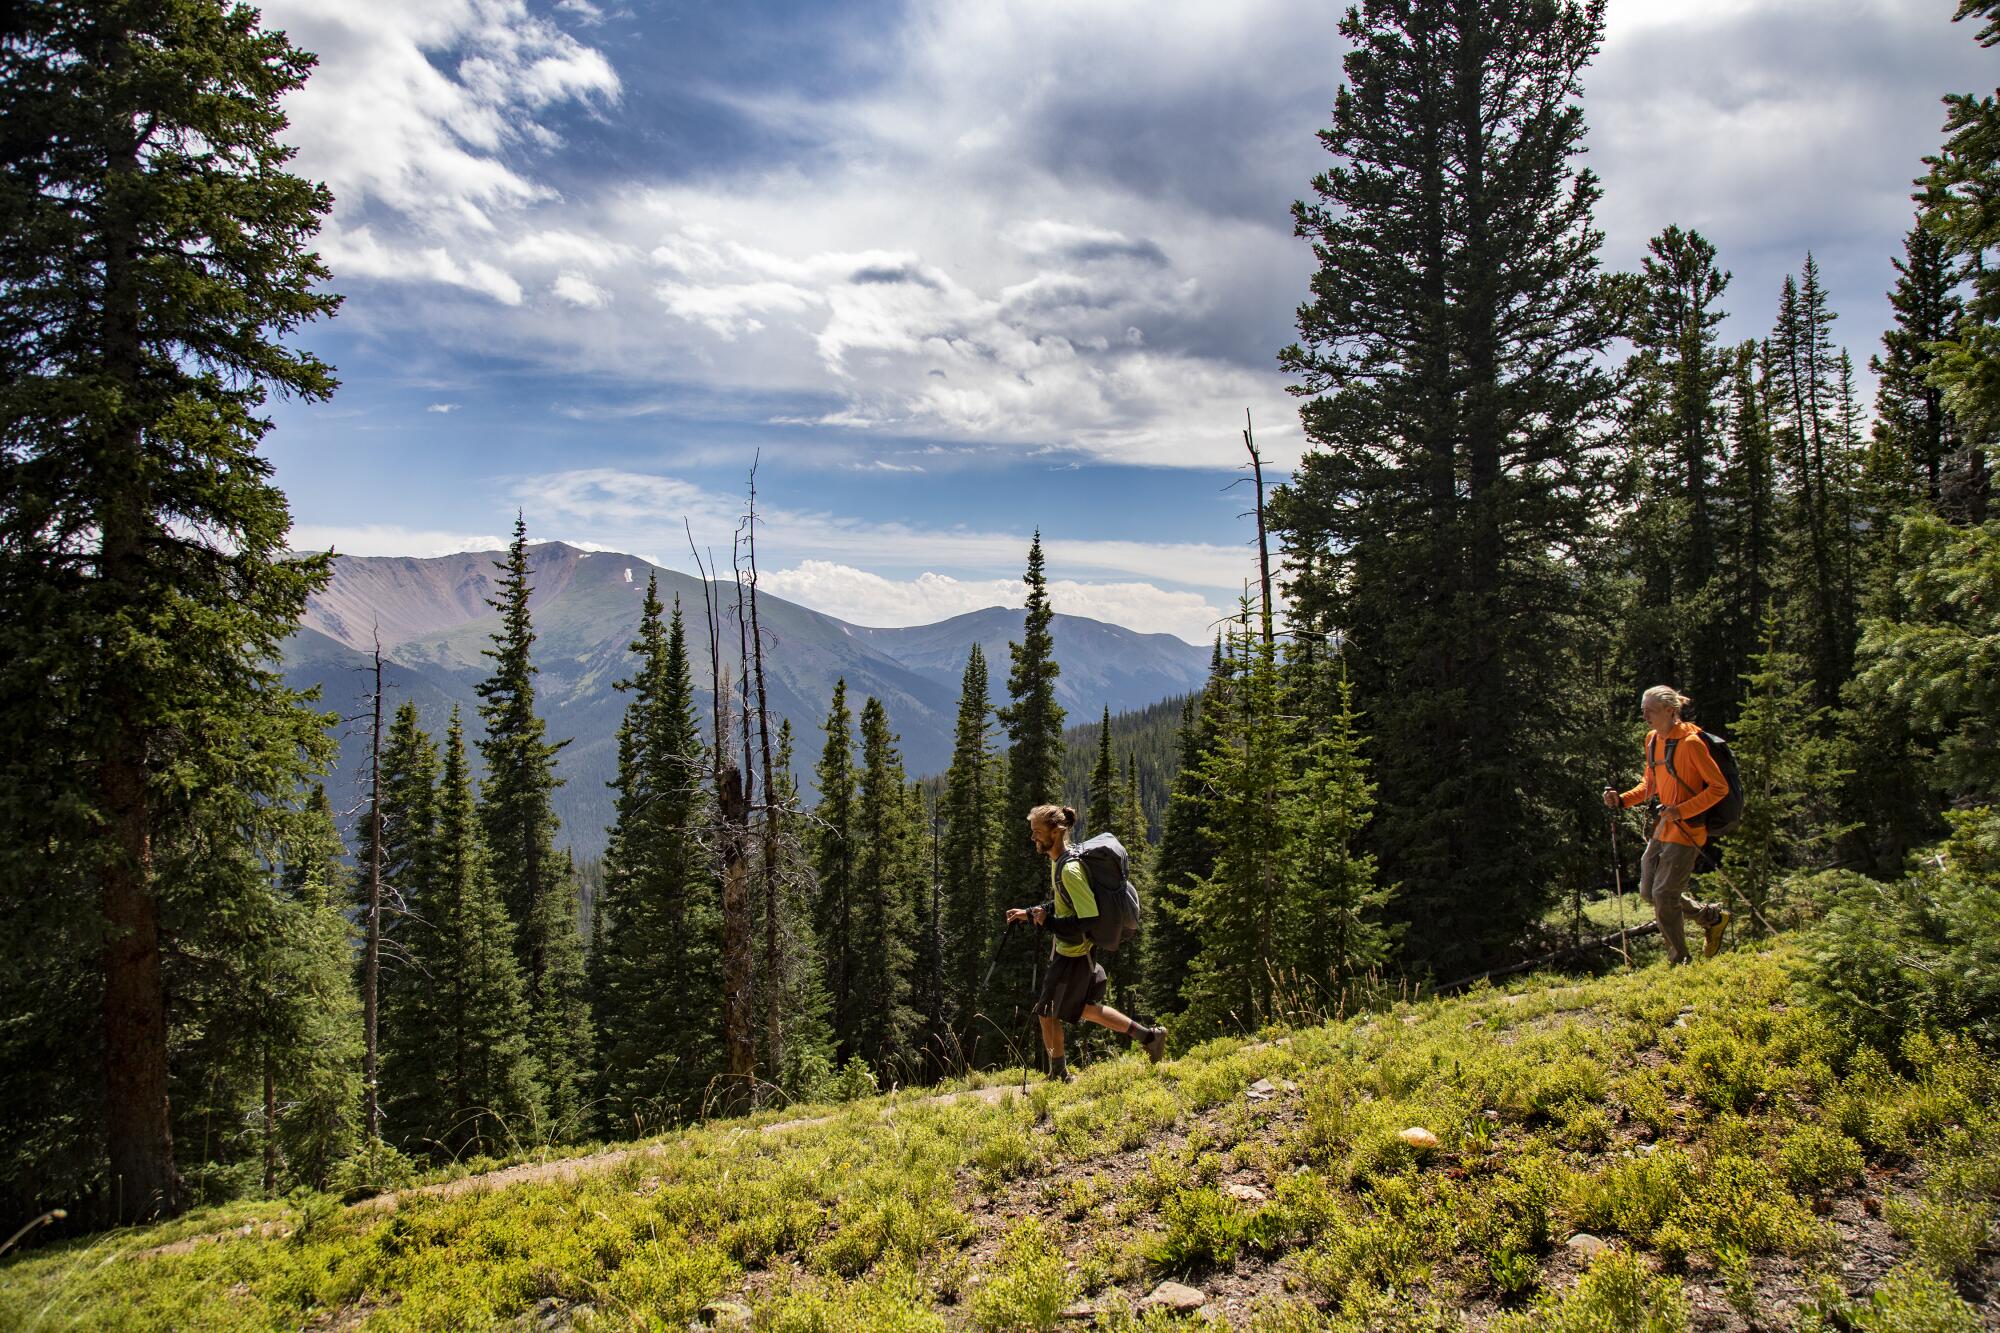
310,1022
1814,460
886,879
1127,969
970,851
1238,912
519,824
834,852
409,993
657,978
1746,525
1961,205
1034,777
1673,425
489,1091
809,1044
1910,413
1791,777
1104,795
1187,851
156,261
1443,517
1333,931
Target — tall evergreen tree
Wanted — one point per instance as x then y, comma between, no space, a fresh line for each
309,1024
409,1010
1104,795
1034,721
1238,912
1333,929
1961,205
657,977
970,850
1673,425
1747,526
1910,413
1791,778
834,853
519,823
887,874
809,1043
489,1092
156,257
1187,850
1443,516
1815,469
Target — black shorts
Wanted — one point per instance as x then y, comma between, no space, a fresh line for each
1071,983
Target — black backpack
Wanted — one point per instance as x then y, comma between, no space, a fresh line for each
1117,919
1722,818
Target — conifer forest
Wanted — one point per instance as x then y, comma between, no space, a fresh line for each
262,947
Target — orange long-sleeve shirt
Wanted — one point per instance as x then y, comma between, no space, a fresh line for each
1700,783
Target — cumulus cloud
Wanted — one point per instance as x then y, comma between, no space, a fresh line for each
417,120
869,599
1043,224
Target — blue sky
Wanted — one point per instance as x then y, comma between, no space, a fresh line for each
957,269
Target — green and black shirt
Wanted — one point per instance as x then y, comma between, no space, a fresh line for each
1071,903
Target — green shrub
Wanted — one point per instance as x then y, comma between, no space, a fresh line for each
1618,1295
1909,1300
1947,1236
669,1280
854,1081
1204,1228
1921,953
1030,1285
1816,1160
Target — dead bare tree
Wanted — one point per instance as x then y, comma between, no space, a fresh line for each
733,807
771,830
1263,542
371,949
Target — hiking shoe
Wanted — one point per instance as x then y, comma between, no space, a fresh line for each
1059,1071
1155,1045
1711,942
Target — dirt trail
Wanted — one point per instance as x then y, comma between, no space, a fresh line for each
568,1168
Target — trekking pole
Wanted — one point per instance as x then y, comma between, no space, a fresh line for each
998,945
1618,883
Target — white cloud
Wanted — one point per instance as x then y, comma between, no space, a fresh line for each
869,599
579,290
639,510
1045,223
442,407
388,539
417,154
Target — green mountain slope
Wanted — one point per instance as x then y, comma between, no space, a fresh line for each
1662,1150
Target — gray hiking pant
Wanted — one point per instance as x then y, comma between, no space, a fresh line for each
1663,879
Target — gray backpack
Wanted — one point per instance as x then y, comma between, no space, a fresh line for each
1117,919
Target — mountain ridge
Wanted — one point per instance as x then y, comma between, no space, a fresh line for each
435,626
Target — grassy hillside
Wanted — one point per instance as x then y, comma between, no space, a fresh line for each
1658,1150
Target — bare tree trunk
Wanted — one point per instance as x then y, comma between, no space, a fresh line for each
270,1126
138,1128
1263,543
371,951
733,804
774,1008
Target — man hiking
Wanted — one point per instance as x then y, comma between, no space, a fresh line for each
1682,775
1074,986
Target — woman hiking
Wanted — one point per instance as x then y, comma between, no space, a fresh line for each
1682,775
1074,986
